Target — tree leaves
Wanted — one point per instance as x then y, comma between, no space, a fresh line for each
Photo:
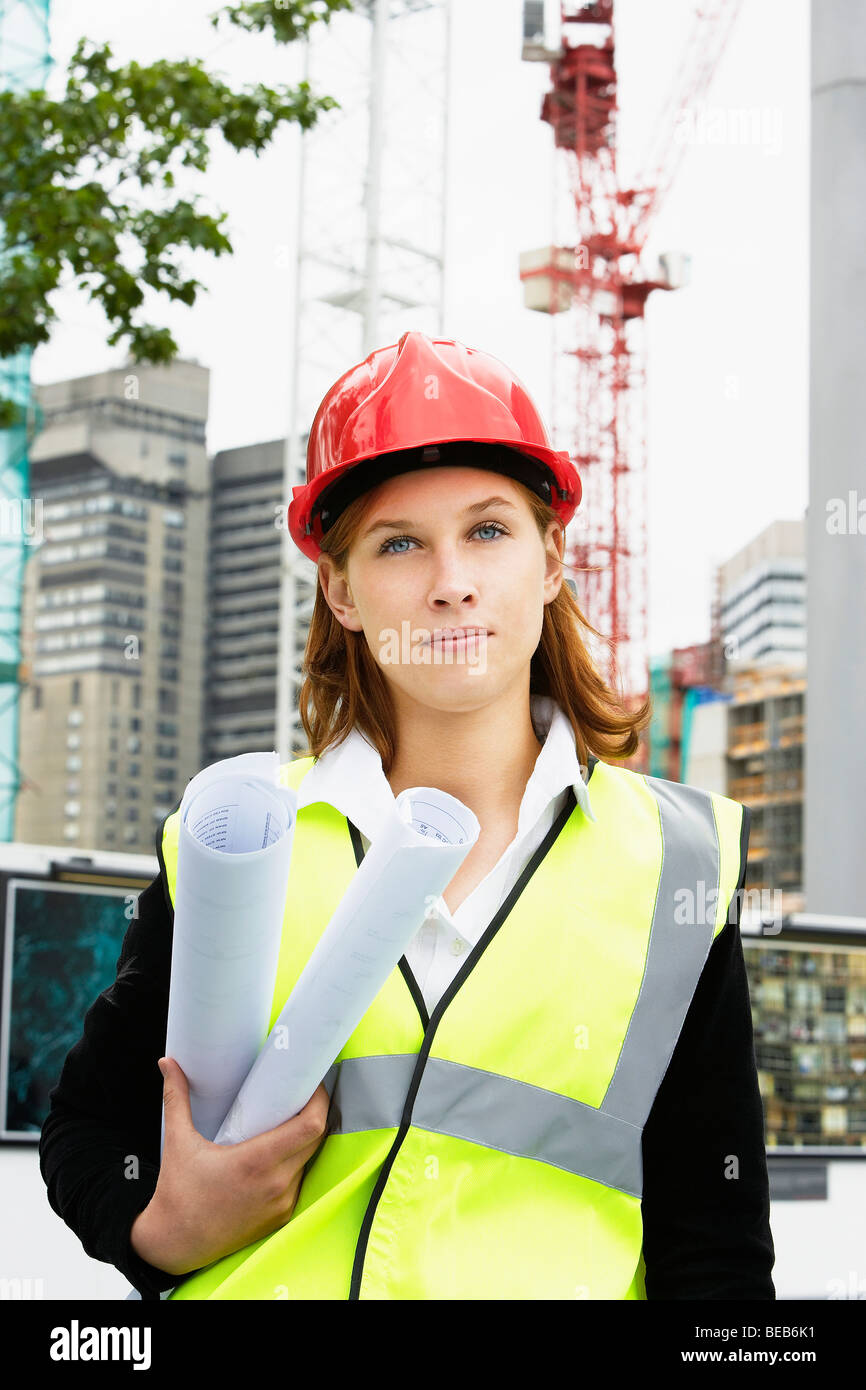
288,21
71,168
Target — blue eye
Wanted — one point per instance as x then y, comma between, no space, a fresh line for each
483,526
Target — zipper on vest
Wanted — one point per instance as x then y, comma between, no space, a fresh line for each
432,1024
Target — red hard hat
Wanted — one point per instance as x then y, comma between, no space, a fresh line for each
389,412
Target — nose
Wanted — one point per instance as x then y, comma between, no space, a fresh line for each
452,585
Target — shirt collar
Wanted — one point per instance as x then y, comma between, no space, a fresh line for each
349,776
556,767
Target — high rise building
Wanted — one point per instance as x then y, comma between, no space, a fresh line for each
247,528
114,606
763,598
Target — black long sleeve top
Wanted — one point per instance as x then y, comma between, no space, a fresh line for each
705,1219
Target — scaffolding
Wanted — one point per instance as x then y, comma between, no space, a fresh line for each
808,996
24,65
766,756
369,241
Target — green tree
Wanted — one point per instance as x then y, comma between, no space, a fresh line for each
70,170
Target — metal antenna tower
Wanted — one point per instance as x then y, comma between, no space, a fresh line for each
369,241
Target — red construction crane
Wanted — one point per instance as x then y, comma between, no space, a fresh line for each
600,288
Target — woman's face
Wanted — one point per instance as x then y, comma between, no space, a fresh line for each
445,561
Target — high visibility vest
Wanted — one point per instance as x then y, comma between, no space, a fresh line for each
493,1150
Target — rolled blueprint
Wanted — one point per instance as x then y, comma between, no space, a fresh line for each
234,851
409,864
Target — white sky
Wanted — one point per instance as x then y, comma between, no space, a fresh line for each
727,356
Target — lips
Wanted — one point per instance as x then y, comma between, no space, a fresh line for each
455,634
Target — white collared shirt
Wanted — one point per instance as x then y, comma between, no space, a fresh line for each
350,778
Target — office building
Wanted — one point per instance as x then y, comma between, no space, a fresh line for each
112,608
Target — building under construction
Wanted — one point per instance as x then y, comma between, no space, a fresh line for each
765,747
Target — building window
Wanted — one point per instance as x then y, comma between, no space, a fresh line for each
75,697
37,697
809,1023
136,695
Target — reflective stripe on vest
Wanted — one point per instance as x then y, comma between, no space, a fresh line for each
370,1093
479,1094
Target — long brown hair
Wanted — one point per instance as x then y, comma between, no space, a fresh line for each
343,686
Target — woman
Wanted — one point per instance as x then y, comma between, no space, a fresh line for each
513,1116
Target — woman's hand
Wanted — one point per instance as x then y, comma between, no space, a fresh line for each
212,1199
